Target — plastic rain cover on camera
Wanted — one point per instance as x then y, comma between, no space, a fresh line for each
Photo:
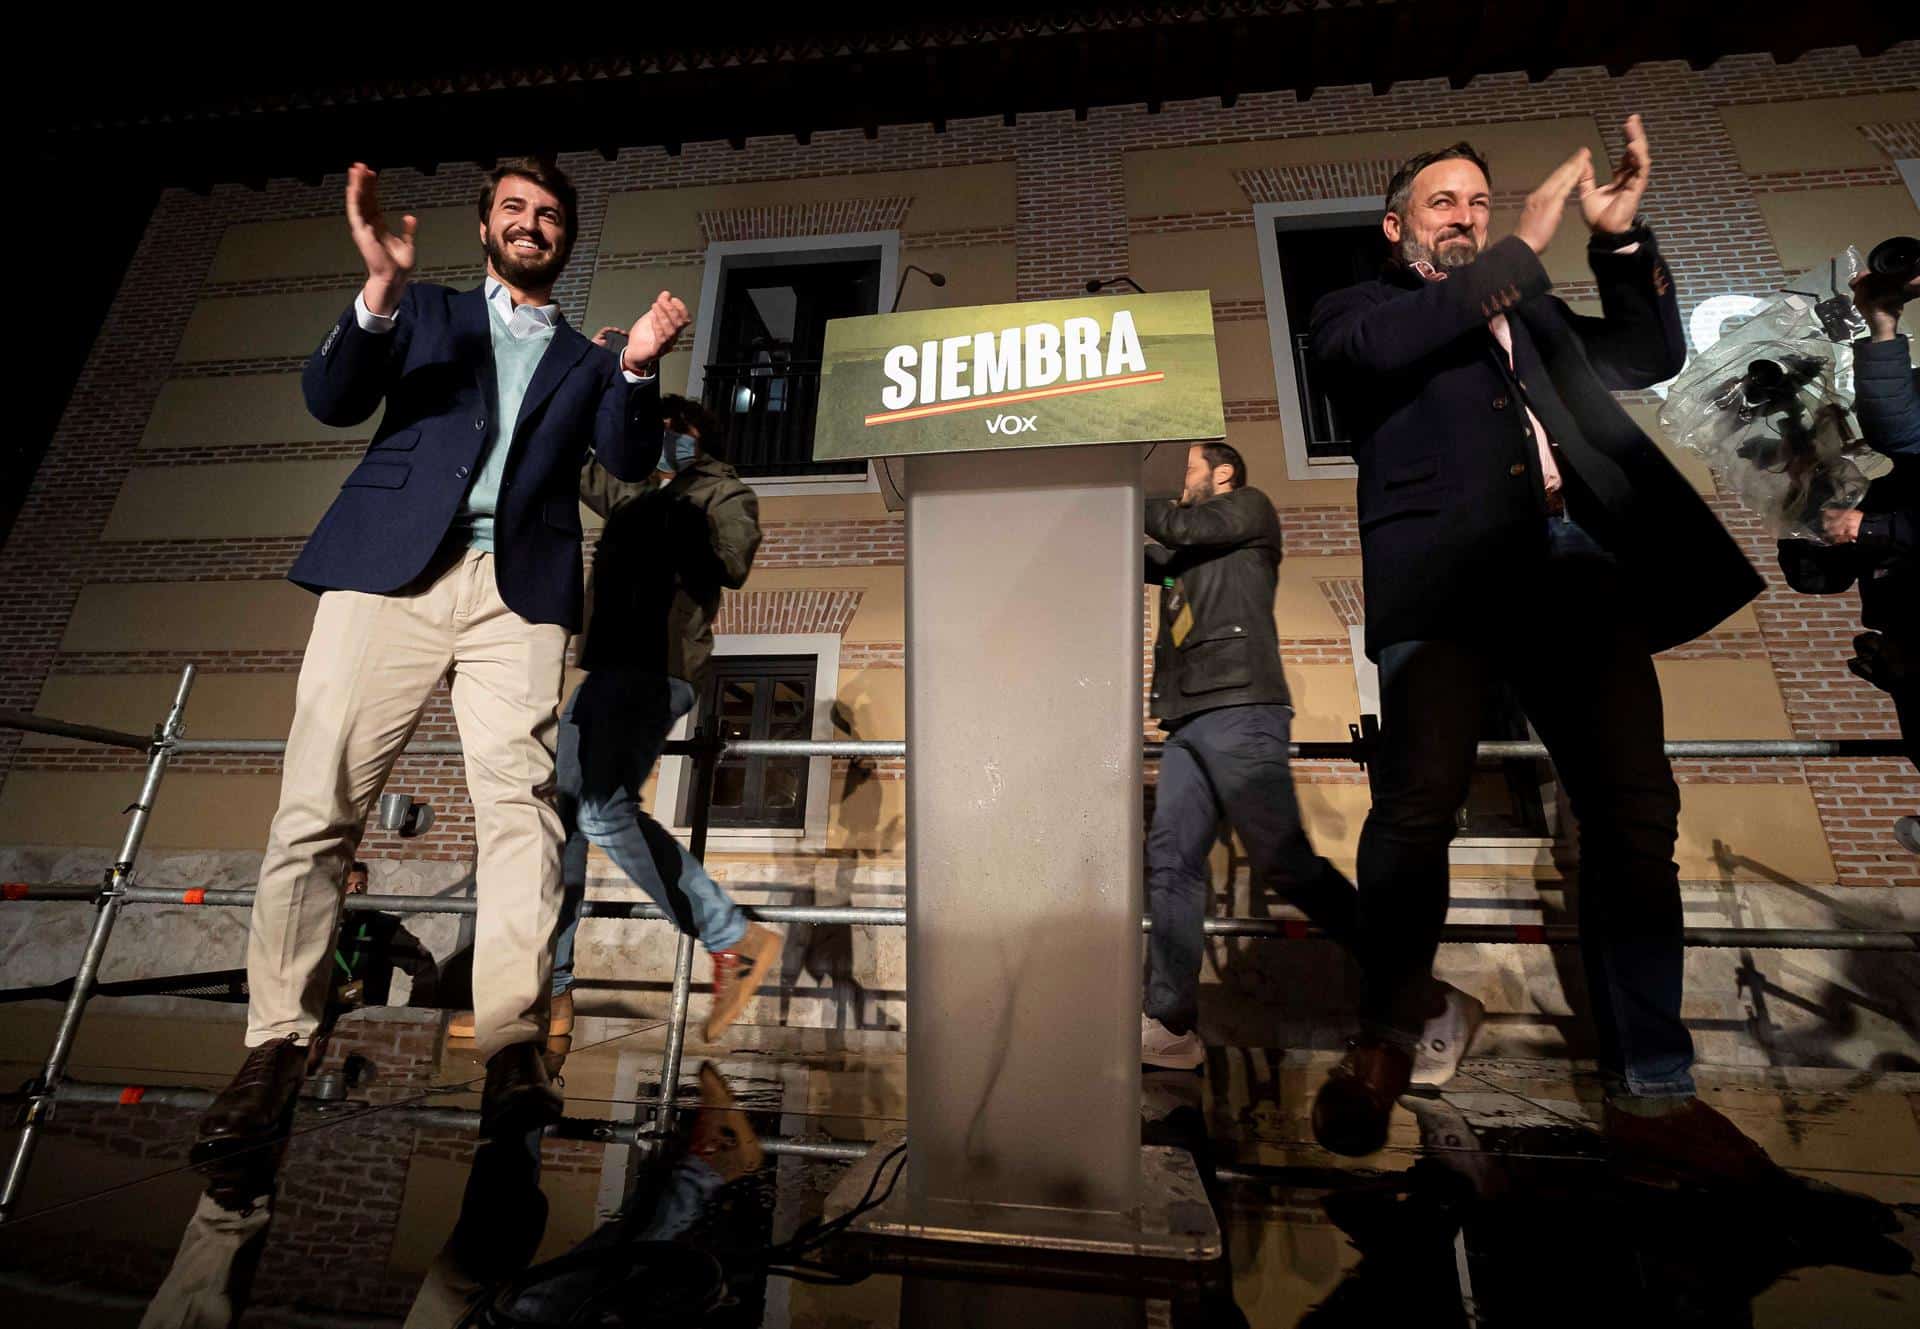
1769,406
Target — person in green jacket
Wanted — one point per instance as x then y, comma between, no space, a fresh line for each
672,545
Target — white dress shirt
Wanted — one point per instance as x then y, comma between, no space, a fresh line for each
522,321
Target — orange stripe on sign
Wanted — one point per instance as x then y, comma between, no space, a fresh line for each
1011,398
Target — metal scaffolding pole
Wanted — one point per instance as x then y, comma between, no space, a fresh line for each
884,916
43,1090
702,814
118,891
1358,749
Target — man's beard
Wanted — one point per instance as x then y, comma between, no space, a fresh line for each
529,271
1449,255
1195,495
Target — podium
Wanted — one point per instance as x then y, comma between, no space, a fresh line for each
1021,441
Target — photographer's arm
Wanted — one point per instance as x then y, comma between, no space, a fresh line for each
1887,395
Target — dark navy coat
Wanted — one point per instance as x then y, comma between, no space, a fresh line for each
435,373
1452,506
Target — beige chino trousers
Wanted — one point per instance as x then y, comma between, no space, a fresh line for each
372,663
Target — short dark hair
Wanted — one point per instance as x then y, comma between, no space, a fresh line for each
543,173
1225,454
358,866
1400,188
682,412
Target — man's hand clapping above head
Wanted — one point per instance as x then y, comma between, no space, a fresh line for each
1609,209
388,254
1612,207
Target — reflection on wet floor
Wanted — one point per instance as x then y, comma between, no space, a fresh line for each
1493,1205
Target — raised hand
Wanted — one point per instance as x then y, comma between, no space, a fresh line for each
1612,207
1880,298
1540,215
388,254
654,333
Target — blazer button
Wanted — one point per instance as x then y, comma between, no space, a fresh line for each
1519,468
480,422
1500,402
460,474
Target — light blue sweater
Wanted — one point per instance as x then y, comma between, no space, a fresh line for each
514,360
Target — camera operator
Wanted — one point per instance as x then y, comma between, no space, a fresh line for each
1878,543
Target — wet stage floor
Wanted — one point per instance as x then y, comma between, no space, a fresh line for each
1492,1205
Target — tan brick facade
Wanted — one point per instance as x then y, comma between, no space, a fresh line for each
1073,209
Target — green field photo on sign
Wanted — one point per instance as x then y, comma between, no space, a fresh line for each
1046,373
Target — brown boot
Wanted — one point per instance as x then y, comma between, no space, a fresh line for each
1692,1143
1350,1112
738,973
256,1107
722,1135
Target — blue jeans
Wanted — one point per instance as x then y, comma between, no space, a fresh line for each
611,734
1574,655
1233,762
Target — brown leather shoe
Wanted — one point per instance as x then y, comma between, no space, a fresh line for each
520,1095
1692,1144
738,973
722,1135
256,1107
1351,1110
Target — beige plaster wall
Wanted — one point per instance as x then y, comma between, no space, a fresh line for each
237,500
190,615
321,246
1810,226
195,810
221,706
1817,134
246,408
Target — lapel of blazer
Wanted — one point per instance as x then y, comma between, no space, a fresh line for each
564,352
473,343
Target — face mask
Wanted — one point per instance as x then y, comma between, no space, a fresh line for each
677,451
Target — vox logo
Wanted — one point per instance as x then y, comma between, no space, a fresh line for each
1012,424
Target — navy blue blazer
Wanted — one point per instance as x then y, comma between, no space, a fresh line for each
1452,505
435,373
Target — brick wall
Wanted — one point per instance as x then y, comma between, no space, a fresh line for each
1071,224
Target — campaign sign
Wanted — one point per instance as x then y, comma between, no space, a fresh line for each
1047,373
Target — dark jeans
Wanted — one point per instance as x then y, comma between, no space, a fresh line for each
1232,761
1576,660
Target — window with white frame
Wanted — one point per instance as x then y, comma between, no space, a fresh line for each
758,341
1308,250
762,685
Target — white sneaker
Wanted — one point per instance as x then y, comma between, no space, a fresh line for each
1444,1041
1160,1047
